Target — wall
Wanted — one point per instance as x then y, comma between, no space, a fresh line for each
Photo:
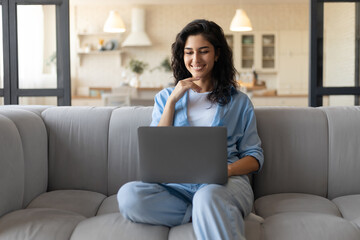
162,25
339,49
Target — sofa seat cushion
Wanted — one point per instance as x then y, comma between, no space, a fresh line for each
85,203
252,222
114,226
252,229
181,232
294,202
349,207
306,225
109,205
39,224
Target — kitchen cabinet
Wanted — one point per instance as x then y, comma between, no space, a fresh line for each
293,69
284,100
256,50
86,101
96,44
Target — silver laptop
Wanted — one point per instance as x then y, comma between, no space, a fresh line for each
183,154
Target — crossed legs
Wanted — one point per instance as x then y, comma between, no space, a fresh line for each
217,211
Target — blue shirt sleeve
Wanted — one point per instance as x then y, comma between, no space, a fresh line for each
159,105
250,143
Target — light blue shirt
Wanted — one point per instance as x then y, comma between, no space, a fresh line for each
237,116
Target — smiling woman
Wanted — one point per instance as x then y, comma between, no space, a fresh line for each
205,95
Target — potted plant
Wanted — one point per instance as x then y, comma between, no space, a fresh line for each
164,65
137,67
51,61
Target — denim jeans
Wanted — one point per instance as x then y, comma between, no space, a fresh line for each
217,211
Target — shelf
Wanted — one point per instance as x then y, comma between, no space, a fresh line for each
247,58
82,54
97,34
108,52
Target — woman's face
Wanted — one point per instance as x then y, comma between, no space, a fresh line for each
199,57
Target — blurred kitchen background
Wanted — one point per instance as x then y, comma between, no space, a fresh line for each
119,69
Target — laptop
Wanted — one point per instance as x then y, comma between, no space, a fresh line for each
183,154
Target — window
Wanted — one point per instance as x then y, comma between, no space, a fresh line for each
36,52
334,52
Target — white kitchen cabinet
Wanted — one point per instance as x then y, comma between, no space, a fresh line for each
256,49
86,101
293,68
280,101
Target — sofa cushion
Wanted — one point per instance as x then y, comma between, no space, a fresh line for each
295,149
123,147
39,224
294,202
349,207
344,150
78,147
181,232
114,226
306,225
11,167
32,131
85,203
37,109
109,205
253,227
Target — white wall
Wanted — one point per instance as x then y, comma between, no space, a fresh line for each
339,49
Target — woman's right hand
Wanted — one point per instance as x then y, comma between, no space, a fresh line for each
181,87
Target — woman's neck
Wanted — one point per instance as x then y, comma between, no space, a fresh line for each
205,85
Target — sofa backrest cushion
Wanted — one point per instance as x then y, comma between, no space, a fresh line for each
11,167
123,145
295,143
344,151
78,147
23,160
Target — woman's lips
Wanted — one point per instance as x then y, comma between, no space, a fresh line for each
197,68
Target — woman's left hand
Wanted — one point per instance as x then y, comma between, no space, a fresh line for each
243,166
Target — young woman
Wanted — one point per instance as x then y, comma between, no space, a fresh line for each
205,95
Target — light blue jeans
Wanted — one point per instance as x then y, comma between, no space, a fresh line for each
217,211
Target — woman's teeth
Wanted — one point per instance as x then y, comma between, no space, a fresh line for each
197,68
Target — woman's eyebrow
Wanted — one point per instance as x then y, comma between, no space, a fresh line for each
189,48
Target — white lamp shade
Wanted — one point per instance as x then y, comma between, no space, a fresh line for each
240,22
114,23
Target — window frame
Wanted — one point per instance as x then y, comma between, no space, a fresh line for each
11,91
316,85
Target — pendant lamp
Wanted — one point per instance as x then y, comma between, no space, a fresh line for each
240,22
114,23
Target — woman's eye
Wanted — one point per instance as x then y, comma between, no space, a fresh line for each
188,53
204,52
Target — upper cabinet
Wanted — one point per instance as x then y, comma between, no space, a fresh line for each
268,51
255,49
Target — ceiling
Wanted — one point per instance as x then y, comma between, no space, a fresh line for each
132,2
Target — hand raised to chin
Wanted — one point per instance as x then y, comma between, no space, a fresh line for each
182,86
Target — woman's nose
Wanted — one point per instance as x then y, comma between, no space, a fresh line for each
196,57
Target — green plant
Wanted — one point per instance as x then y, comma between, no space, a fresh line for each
164,65
137,66
51,59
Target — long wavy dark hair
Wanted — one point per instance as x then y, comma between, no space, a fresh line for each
223,72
